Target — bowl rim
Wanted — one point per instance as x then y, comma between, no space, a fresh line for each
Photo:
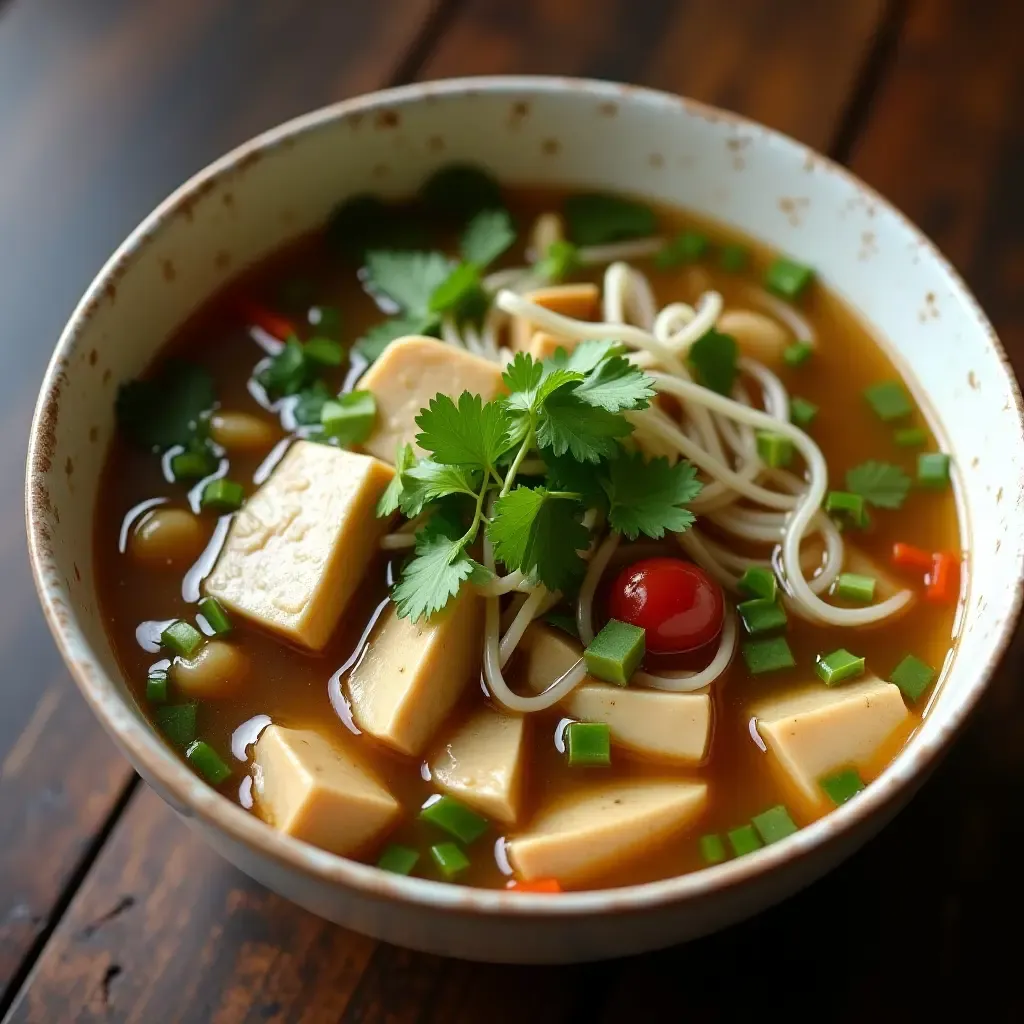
193,797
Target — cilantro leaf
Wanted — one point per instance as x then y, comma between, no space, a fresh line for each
310,403
288,372
427,481
472,433
486,237
616,384
595,219
584,478
587,432
647,497
458,290
532,383
561,259
713,358
389,500
377,338
540,534
460,191
433,576
880,484
165,410
409,279
586,355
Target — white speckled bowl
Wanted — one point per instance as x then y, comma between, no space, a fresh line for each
531,130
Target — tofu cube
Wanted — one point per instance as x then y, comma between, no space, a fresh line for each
816,730
604,827
544,346
411,674
312,789
300,546
408,375
580,301
481,764
674,728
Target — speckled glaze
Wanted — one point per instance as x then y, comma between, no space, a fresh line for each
530,130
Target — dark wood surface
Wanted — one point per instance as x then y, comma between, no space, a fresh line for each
110,909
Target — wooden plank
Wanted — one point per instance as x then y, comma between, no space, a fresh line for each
162,953
104,108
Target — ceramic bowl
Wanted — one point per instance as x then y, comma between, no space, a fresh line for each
538,131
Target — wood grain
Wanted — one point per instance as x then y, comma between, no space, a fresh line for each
105,107
207,940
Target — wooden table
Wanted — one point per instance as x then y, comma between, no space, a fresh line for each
109,908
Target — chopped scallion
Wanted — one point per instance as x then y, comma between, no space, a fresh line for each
207,762
801,412
182,638
847,506
455,818
450,859
223,495
761,616
759,582
775,450
852,586
216,617
841,786
686,248
616,652
399,860
798,353
349,418
838,666
787,278
177,722
913,677
156,686
733,258
889,400
910,437
774,824
324,351
588,744
933,469
712,849
769,655
744,840
191,465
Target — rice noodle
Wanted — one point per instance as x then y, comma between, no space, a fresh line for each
688,682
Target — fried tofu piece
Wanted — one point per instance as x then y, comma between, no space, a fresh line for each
580,301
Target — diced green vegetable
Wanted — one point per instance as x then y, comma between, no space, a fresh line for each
450,859
761,616
889,399
841,786
733,258
852,586
770,655
798,353
223,495
933,469
182,638
774,824
156,686
801,412
349,418
759,582
847,506
456,819
775,450
398,859
712,849
838,666
787,278
561,260
913,677
910,437
287,373
192,465
324,351
310,402
216,617
177,722
744,840
686,248
616,652
207,762
588,744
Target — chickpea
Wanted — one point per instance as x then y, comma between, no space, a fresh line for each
241,432
758,336
168,537
217,670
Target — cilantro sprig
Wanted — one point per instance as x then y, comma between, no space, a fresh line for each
879,483
571,411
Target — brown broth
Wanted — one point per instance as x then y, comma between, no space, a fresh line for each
292,687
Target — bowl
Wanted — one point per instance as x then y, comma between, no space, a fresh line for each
535,131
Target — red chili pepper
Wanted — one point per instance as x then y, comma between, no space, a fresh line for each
908,557
942,584
540,885
259,316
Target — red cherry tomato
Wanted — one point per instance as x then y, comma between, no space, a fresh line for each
676,602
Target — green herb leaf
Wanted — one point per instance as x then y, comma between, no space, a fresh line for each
561,260
583,478
288,372
713,357
585,356
471,434
879,483
458,290
616,384
569,424
409,279
595,219
648,497
427,481
460,191
389,500
530,382
377,338
539,534
167,409
349,418
486,237
433,576
310,403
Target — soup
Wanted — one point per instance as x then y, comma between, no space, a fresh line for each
525,539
